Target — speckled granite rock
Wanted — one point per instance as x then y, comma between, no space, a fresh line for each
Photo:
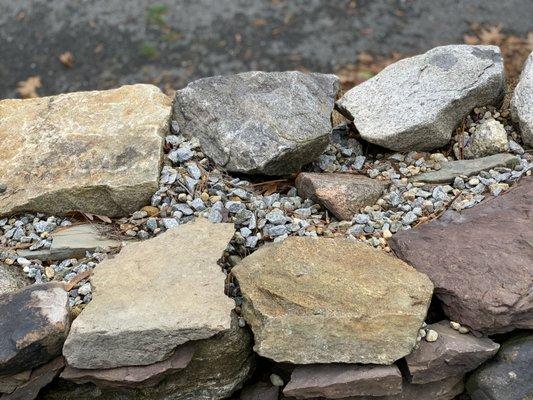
259,122
98,151
331,300
12,278
522,102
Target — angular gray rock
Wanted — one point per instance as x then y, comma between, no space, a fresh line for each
342,194
451,169
490,137
259,122
416,103
33,326
479,260
218,368
12,278
509,376
98,151
522,102
153,296
38,379
337,381
331,300
452,354
146,375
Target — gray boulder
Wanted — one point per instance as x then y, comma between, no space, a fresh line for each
522,102
509,376
415,103
259,122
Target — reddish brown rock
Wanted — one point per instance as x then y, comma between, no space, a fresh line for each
342,194
480,260
452,354
39,378
446,389
260,391
337,381
147,375
34,323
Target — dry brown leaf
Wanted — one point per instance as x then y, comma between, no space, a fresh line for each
104,218
529,40
28,89
491,35
67,59
470,39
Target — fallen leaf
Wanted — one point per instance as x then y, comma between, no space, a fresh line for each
491,35
104,218
28,89
67,59
470,39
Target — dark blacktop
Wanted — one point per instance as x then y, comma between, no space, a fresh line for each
172,42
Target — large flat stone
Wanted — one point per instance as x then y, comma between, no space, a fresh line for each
522,102
342,194
446,389
98,152
338,381
452,354
218,368
479,260
509,376
146,375
34,323
153,296
416,103
331,300
450,170
259,122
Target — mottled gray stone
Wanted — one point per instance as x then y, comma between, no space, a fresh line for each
522,102
415,103
490,137
509,376
34,323
12,278
452,354
336,381
259,122
452,169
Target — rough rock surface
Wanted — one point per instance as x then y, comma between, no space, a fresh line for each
39,378
509,376
132,321
342,194
337,381
489,138
260,391
8,383
452,354
331,300
446,389
98,151
452,169
33,326
259,122
415,103
218,368
522,102
479,260
12,278
146,375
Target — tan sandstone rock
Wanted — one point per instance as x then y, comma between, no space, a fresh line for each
153,296
97,151
331,300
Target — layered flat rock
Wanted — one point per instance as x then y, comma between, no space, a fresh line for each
147,375
98,152
452,354
416,103
522,102
509,376
33,326
479,260
451,169
12,278
8,383
73,242
218,368
342,194
259,122
446,389
153,296
38,379
337,381
331,300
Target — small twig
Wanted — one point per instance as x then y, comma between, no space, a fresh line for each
77,279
